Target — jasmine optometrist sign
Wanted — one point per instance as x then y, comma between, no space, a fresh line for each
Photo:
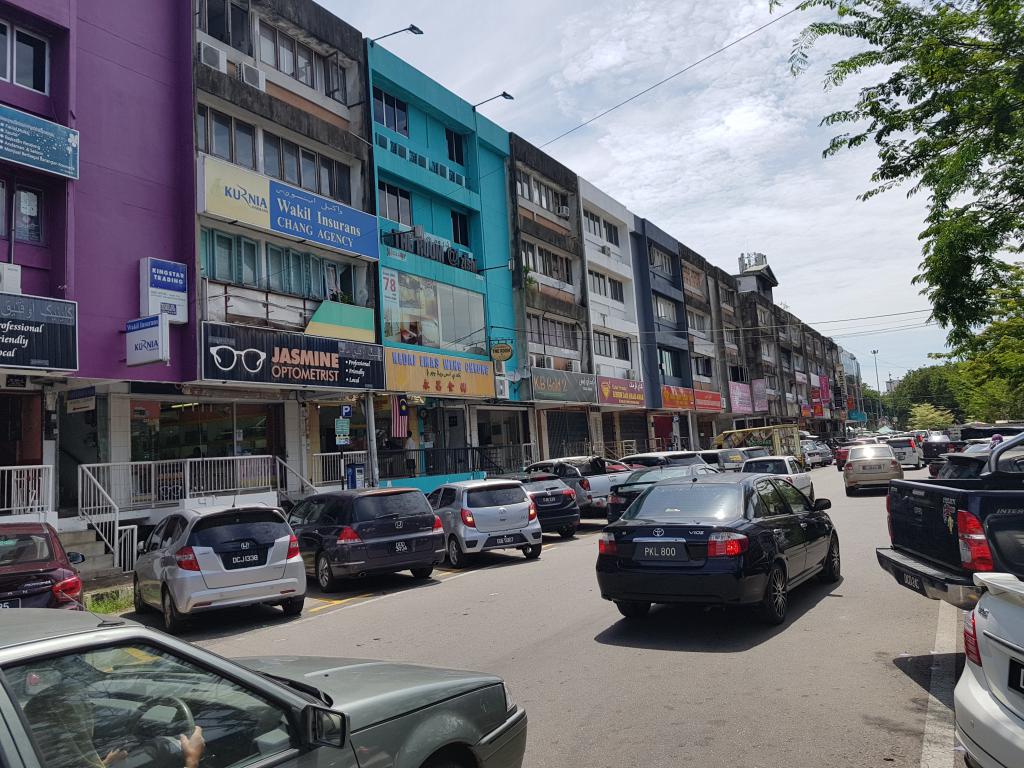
238,195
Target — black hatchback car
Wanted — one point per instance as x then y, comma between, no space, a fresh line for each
727,539
557,509
368,531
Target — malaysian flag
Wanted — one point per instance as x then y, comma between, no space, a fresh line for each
399,416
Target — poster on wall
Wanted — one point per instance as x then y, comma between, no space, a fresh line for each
740,397
759,389
826,389
38,333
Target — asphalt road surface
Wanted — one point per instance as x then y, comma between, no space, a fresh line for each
844,682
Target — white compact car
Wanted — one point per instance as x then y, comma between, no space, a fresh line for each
989,699
787,466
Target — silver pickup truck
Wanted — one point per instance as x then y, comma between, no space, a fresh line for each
591,477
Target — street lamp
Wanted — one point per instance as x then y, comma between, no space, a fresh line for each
411,28
502,95
878,385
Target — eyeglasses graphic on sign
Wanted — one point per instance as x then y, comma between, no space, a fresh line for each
226,358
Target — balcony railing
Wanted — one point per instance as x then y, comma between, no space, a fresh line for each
26,491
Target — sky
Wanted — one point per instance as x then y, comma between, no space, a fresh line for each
727,157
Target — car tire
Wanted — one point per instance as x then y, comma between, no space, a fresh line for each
633,609
139,603
456,557
422,573
532,552
174,622
568,532
776,597
324,575
293,606
831,570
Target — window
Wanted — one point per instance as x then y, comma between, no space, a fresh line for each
433,314
548,332
268,44
81,705
727,296
592,222
550,264
335,85
668,360
308,169
456,151
220,135
394,203
533,329
5,52
202,121
460,228
622,348
693,281
730,336
763,320
28,215
303,65
523,184
226,137
772,500
660,260
303,167
546,196
771,381
602,344
702,366
245,144
228,21
598,283
766,351
698,323
737,373
611,233
390,112
664,309
615,291
285,54
30,60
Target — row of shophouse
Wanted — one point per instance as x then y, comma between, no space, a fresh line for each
238,230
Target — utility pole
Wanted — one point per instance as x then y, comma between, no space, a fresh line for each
878,387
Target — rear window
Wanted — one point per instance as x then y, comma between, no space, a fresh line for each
21,548
375,506
689,501
657,474
710,457
768,466
495,497
643,461
870,452
263,525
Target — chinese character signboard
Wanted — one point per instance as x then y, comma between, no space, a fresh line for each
426,373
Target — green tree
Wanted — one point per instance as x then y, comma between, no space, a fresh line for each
928,416
997,350
947,117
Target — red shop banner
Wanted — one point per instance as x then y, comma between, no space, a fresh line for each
707,402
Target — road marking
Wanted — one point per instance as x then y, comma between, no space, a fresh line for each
937,744
329,603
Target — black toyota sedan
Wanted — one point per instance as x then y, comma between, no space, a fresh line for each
727,539
556,504
367,531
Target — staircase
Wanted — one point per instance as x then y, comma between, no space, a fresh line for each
99,563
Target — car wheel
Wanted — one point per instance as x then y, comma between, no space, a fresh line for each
532,552
324,575
422,573
568,532
174,622
455,555
140,604
632,609
293,606
832,565
773,604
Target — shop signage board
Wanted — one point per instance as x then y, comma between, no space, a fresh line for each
611,391
427,373
37,143
147,340
38,333
677,398
806,411
826,389
240,353
563,386
81,400
501,352
429,247
238,195
819,410
759,391
163,289
740,397
707,402
342,431
801,377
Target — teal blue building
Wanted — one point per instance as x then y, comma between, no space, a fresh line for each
446,304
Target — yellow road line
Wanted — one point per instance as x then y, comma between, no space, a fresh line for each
330,603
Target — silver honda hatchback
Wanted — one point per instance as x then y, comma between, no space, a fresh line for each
219,557
482,515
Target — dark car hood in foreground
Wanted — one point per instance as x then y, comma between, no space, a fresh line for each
371,691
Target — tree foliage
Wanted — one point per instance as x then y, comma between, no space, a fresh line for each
947,118
928,416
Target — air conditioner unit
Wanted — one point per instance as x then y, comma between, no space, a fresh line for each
606,250
499,368
632,375
253,76
10,278
213,57
501,387
574,366
562,211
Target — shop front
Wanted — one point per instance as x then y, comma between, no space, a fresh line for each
624,425
672,429
563,400
708,404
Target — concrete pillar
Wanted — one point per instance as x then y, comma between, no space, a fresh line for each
120,427
372,477
691,421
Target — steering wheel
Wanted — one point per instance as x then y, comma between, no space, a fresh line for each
182,712
164,749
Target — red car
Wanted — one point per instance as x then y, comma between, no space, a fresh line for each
35,571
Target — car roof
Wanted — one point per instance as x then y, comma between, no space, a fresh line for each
355,493
216,509
527,477
765,458
27,625
486,483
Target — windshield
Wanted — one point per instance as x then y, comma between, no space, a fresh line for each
768,466
20,548
870,452
688,501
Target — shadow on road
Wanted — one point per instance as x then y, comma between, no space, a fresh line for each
920,669
710,630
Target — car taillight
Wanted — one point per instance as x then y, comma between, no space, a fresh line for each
468,519
585,484
293,547
532,515
894,464
913,445
606,544
727,544
570,493
348,535
68,590
848,467
437,524
971,649
186,559
975,554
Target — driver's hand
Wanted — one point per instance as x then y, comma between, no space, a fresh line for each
192,747
115,756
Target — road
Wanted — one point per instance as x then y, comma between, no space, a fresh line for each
844,682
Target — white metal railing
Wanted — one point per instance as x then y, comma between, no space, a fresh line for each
330,468
26,491
127,548
284,472
99,510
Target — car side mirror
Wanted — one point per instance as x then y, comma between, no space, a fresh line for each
141,547
820,505
323,727
75,558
